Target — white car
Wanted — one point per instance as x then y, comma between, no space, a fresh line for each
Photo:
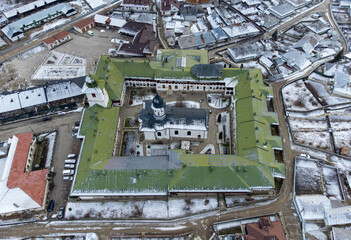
72,155
68,172
69,165
70,161
90,33
67,178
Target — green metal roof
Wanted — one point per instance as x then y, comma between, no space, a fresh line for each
253,166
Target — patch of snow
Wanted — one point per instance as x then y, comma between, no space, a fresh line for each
49,26
32,52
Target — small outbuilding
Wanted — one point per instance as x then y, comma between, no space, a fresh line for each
84,25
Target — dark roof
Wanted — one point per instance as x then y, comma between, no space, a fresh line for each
207,70
57,36
166,4
174,116
158,102
190,10
138,2
134,26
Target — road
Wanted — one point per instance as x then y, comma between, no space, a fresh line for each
64,145
199,223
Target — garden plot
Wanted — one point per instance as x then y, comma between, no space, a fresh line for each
324,95
332,185
308,178
297,97
60,66
129,144
298,124
342,138
319,140
340,125
139,209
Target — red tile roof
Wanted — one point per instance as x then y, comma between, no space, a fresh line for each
85,22
32,183
57,36
138,2
265,229
49,40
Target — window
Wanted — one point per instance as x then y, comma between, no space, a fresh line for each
93,95
176,132
188,133
159,134
163,86
176,86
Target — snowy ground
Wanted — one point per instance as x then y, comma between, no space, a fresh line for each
300,124
49,26
254,64
332,183
324,95
297,97
314,230
138,100
308,179
139,209
319,140
9,4
187,104
60,66
32,52
217,101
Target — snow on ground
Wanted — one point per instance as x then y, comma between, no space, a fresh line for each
137,100
31,52
319,140
297,97
217,101
342,138
180,207
49,26
58,72
332,183
340,125
297,124
308,179
51,137
324,95
254,64
139,209
84,8
314,230
9,4
187,104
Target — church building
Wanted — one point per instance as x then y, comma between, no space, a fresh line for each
159,121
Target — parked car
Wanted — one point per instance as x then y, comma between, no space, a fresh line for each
46,118
69,165
77,123
305,155
51,206
70,161
61,213
67,178
68,172
72,155
90,33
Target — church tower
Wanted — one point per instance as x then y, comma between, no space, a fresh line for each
158,107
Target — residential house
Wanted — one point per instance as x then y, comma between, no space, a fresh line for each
57,39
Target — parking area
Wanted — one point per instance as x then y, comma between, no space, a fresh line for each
94,46
65,144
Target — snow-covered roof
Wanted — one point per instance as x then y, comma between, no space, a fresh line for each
26,8
62,90
9,102
297,59
245,51
117,22
95,3
338,216
241,30
282,10
219,34
312,207
266,62
11,13
32,97
101,18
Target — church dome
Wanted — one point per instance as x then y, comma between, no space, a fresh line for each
158,102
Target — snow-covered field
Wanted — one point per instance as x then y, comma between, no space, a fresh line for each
298,124
319,140
139,209
332,183
49,26
297,97
32,52
308,179
342,138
